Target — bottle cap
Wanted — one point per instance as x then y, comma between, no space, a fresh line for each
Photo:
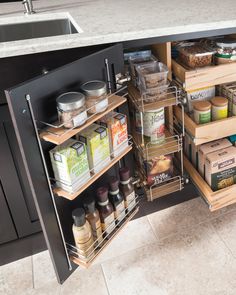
79,217
124,174
89,205
102,194
114,183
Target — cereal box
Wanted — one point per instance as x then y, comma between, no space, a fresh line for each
97,140
70,164
116,124
220,168
208,148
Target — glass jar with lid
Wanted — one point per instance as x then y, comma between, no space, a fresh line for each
71,109
96,96
225,51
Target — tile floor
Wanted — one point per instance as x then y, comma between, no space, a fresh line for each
183,250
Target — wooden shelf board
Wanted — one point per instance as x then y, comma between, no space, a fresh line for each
114,234
203,133
217,199
59,136
170,146
165,102
203,77
62,193
164,189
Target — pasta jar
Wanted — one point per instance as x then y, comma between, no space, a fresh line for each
96,96
219,108
152,125
71,109
202,112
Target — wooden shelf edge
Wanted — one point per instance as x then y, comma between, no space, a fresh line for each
60,138
116,232
216,200
62,193
135,96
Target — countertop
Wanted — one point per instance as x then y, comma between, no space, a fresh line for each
108,21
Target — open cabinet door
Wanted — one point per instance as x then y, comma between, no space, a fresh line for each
39,95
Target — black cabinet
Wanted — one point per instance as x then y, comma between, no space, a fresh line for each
38,95
17,205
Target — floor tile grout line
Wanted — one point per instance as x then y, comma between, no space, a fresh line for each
105,279
223,241
32,267
152,228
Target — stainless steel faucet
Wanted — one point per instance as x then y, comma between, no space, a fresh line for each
28,6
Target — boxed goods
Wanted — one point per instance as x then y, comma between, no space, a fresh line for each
116,124
195,55
208,148
97,140
228,90
159,169
201,94
70,164
220,168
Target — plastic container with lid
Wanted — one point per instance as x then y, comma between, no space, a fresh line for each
96,96
71,109
136,61
202,112
152,75
155,94
225,51
219,108
195,55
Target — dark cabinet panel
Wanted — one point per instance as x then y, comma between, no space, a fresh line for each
39,95
14,185
7,230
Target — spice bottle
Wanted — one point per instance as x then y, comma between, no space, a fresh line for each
116,199
82,234
219,108
202,112
106,211
96,96
92,215
71,109
127,188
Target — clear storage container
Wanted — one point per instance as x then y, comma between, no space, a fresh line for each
152,75
195,55
136,61
155,94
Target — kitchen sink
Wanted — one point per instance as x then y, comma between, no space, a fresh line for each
36,29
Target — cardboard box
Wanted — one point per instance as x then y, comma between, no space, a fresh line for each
70,164
97,141
116,124
208,148
220,168
205,93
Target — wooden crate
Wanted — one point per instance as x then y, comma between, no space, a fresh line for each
203,77
207,132
217,199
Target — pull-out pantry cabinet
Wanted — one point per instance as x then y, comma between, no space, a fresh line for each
33,111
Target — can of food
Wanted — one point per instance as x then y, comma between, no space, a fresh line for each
152,125
202,112
219,108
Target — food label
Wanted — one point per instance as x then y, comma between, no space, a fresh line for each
204,117
97,231
120,211
80,119
154,125
102,105
223,179
219,114
130,200
108,224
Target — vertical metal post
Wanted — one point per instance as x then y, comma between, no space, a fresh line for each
48,179
108,74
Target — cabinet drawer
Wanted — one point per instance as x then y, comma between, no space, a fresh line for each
203,77
216,200
203,133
